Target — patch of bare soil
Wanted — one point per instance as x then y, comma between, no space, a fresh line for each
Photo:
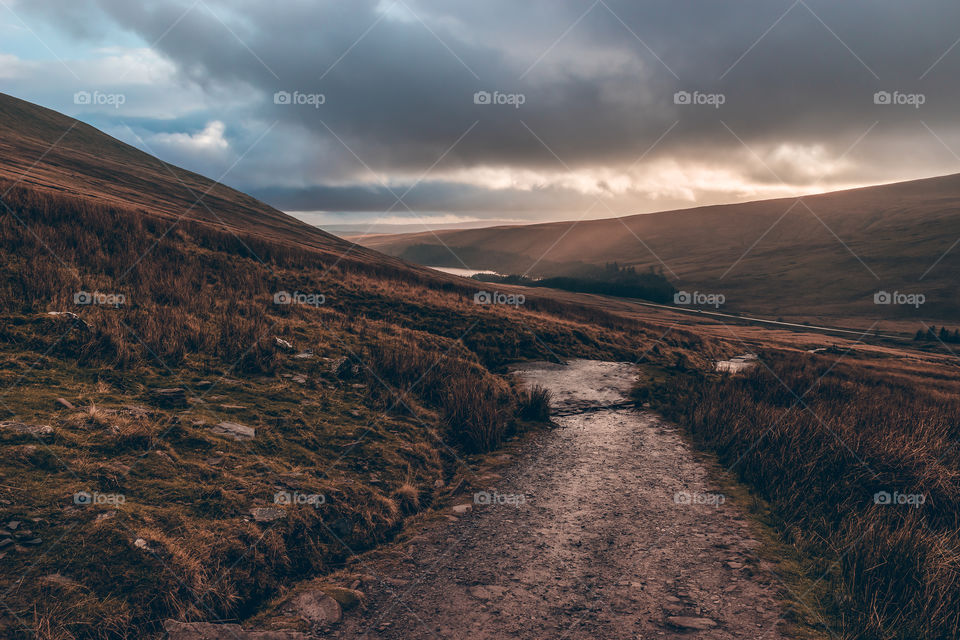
606,527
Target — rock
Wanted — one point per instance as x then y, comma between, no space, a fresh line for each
106,515
66,404
203,384
175,397
344,369
346,598
299,379
210,631
233,407
316,607
22,427
305,355
5,542
282,344
461,509
235,430
486,591
267,514
13,524
735,565
140,543
689,622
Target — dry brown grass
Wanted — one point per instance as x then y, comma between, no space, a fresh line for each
819,439
199,307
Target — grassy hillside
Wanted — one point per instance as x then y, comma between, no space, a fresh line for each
826,254
164,380
858,460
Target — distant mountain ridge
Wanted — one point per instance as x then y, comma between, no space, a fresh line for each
819,254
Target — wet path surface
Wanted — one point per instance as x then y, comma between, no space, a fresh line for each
604,528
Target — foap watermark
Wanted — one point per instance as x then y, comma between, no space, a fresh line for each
495,297
99,298
298,297
911,299
295,497
897,98
698,298
910,499
715,100
299,98
709,499
85,498
99,98
494,498
510,99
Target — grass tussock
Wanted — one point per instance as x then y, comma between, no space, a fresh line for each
863,473
535,404
367,399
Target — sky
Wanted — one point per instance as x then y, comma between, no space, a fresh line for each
448,112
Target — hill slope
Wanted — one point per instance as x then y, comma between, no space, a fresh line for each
158,392
47,151
821,254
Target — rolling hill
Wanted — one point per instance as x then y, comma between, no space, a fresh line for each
169,367
824,254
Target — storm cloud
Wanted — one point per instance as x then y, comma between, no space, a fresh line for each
533,110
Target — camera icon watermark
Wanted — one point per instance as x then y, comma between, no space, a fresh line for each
709,499
98,98
295,497
910,299
495,297
486,498
910,499
87,498
99,298
896,98
297,297
511,99
697,298
684,98
298,98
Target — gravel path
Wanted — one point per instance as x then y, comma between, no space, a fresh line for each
604,528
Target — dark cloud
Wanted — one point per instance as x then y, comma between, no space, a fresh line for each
797,78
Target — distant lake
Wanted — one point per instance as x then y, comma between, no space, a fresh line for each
466,273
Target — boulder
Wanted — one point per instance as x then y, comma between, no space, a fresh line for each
267,514
345,369
282,344
235,430
315,607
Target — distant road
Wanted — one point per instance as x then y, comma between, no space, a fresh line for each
780,323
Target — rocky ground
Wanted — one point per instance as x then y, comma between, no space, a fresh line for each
606,527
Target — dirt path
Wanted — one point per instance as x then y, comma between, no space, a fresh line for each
604,528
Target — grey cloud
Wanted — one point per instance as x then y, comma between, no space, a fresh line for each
402,94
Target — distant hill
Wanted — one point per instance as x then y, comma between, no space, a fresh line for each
822,254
